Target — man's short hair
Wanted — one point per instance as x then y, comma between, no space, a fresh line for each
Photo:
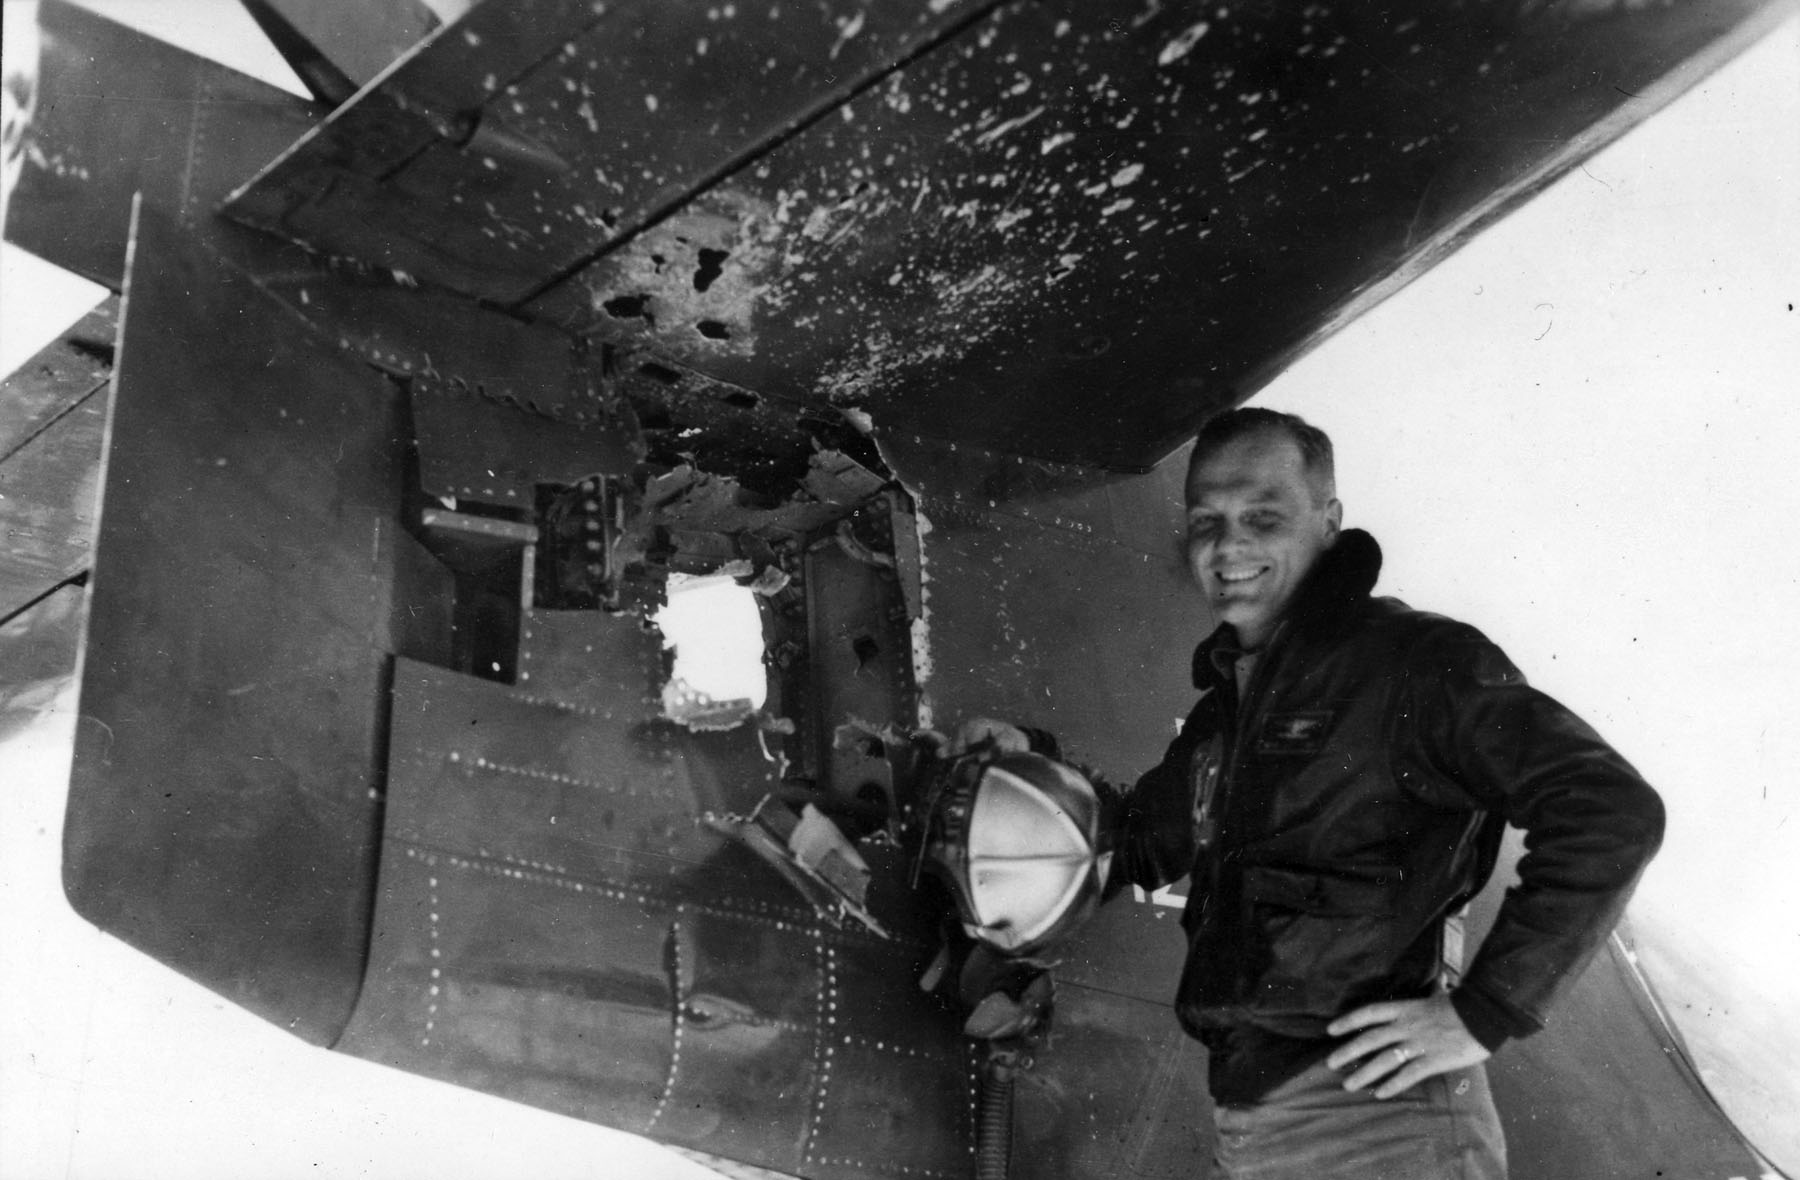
1315,444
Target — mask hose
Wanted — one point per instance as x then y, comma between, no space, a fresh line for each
993,1134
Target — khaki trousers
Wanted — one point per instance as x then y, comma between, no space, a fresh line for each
1311,1128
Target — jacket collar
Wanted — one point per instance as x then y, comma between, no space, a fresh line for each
1330,596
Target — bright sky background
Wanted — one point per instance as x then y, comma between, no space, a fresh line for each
716,630
1579,434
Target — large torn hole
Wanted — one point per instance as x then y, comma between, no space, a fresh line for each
712,265
714,627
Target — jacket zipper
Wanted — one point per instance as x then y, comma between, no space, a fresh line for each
1234,734
1230,756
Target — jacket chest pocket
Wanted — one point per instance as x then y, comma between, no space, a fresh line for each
1315,937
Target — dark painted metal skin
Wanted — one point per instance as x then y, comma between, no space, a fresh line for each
515,145
234,785
914,224
476,447
405,332
1069,229
250,576
555,926
1078,229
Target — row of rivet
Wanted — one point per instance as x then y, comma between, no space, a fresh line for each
1069,535
972,1075
887,1167
737,1021
890,1047
779,919
435,950
552,874
827,1018
668,1089
545,875
526,698
490,493
548,776
542,866
803,922
742,908
192,209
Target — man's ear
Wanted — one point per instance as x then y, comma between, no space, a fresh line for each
1334,519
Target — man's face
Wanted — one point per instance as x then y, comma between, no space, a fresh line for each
1254,530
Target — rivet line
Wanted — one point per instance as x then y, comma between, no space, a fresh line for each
435,951
662,1101
825,1047
527,698
550,776
886,1168
543,873
535,872
889,1047
768,916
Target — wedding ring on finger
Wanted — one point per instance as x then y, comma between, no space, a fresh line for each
1404,1055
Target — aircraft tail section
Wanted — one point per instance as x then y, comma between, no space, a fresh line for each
223,816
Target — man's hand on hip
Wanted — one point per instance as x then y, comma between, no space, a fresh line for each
1403,1043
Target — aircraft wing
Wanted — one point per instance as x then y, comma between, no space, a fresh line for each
1069,230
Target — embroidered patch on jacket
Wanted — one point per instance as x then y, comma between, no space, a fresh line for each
1293,733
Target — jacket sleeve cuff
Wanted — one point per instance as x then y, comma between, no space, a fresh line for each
1488,1021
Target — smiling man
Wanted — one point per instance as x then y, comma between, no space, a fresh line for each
1338,794
1261,511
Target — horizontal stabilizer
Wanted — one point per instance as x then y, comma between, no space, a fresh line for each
114,113
520,141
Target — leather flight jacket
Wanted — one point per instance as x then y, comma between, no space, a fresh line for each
1355,797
